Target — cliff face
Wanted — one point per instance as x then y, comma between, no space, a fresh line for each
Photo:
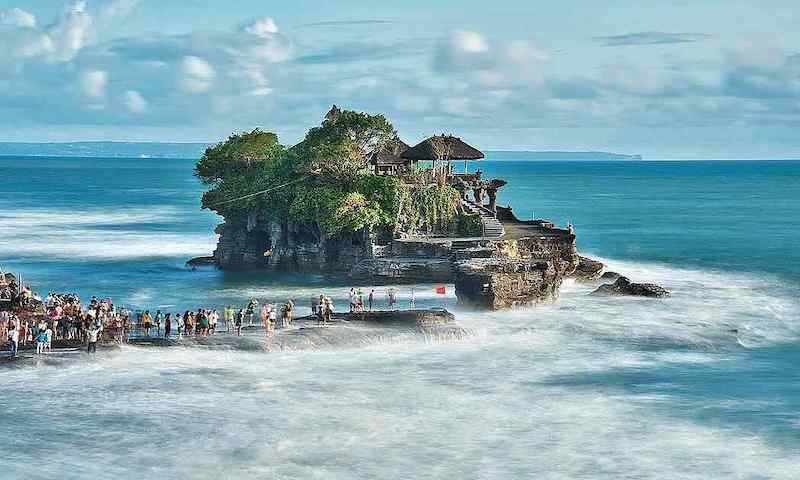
491,274
256,243
517,272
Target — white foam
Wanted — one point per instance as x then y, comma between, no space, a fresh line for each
81,235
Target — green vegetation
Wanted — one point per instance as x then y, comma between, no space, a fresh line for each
325,181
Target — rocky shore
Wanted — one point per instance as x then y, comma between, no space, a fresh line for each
343,331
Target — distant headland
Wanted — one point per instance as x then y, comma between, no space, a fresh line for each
195,150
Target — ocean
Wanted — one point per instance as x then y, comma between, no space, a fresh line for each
703,385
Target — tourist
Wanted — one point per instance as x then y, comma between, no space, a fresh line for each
251,309
351,297
238,322
228,313
213,319
273,317
146,319
48,337
314,305
92,335
263,315
41,341
392,294
264,318
321,310
159,319
371,298
167,325
413,301
289,312
13,339
202,322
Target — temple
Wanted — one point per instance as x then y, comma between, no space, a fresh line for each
448,228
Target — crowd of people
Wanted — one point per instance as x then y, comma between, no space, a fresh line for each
26,319
356,299
58,317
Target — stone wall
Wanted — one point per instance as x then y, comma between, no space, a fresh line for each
487,273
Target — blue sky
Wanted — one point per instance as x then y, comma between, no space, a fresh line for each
665,79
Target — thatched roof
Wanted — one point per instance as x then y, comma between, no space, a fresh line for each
443,147
390,154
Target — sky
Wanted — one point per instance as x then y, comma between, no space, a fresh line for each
665,79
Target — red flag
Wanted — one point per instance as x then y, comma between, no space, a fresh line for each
440,290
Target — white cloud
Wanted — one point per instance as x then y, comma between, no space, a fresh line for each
94,82
71,32
468,42
134,101
116,9
264,27
18,18
198,75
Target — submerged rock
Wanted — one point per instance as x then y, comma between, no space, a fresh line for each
345,330
201,262
623,286
587,270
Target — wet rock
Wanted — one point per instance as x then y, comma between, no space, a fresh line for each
623,286
498,283
201,262
610,276
345,330
587,270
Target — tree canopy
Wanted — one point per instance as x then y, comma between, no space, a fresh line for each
324,181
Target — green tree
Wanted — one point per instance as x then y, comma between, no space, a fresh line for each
240,153
339,149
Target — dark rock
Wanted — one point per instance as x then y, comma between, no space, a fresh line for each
587,270
610,276
623,286
201,262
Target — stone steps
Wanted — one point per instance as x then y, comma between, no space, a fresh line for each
492,228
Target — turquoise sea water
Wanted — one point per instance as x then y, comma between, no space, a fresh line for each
702,385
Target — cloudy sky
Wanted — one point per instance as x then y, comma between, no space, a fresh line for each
666,79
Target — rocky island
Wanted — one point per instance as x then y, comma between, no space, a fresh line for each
352,199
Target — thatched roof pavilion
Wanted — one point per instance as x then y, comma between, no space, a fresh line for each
443,147
387,160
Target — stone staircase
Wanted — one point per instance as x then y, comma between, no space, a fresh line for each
492,228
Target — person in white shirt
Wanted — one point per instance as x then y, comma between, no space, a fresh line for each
13,337
92,335
48,335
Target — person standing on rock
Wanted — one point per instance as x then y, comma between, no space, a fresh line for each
48,337
41,341
238,322
159,319
352,298
92,335
167,325
371,298
273,318
13,338
228,316
251,309
146,322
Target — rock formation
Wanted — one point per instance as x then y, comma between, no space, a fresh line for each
588,269
623,286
